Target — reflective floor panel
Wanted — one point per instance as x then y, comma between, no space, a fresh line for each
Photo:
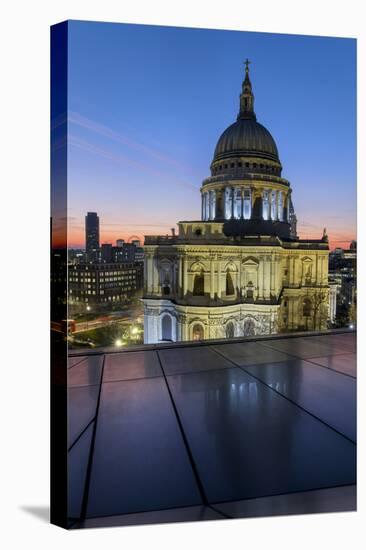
306,346
87,372
330,396
180,360
250,353
130,365
140,462
82,404
77,470
257,439
249,441
72,361
347,363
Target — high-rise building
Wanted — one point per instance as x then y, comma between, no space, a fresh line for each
91,235
241,269
120,242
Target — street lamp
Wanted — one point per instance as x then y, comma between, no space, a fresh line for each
88,308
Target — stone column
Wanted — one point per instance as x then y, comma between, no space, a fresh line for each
260,279
242,205
266,277
185,276
145,274
285,207
156,275
275,213
325,270
174,278
272,275
232,202
213,205
202,206
180,277
290,271
219,278
150,275
207,204
212,278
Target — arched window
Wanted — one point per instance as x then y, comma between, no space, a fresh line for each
198,332
199,284
229,283
306,308
166,328
229,330
166,290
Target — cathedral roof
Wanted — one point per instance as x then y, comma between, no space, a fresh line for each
246,137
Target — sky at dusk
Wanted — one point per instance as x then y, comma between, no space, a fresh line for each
147,105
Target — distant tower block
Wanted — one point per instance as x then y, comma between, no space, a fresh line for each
91,234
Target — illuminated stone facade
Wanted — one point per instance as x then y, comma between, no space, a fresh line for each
241,270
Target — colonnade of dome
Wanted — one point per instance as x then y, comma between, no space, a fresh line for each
238,203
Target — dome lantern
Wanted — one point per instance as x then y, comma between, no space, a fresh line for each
247,97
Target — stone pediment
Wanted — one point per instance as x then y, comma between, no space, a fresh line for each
250,261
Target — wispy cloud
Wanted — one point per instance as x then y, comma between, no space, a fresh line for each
105,131
122,160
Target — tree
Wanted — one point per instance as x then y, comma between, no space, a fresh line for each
315,309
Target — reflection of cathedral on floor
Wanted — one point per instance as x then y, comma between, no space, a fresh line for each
241,270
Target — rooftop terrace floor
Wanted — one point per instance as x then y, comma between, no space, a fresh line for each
216,430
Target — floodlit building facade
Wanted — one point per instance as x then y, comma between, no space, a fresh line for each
241,269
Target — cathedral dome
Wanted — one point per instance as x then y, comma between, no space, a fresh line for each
246,137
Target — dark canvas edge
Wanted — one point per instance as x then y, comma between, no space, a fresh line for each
58,169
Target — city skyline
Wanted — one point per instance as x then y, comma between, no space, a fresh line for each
137,139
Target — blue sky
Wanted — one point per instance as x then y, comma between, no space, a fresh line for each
147,105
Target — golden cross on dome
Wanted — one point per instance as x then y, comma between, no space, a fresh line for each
247,63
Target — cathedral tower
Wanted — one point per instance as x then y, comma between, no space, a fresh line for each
240,270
